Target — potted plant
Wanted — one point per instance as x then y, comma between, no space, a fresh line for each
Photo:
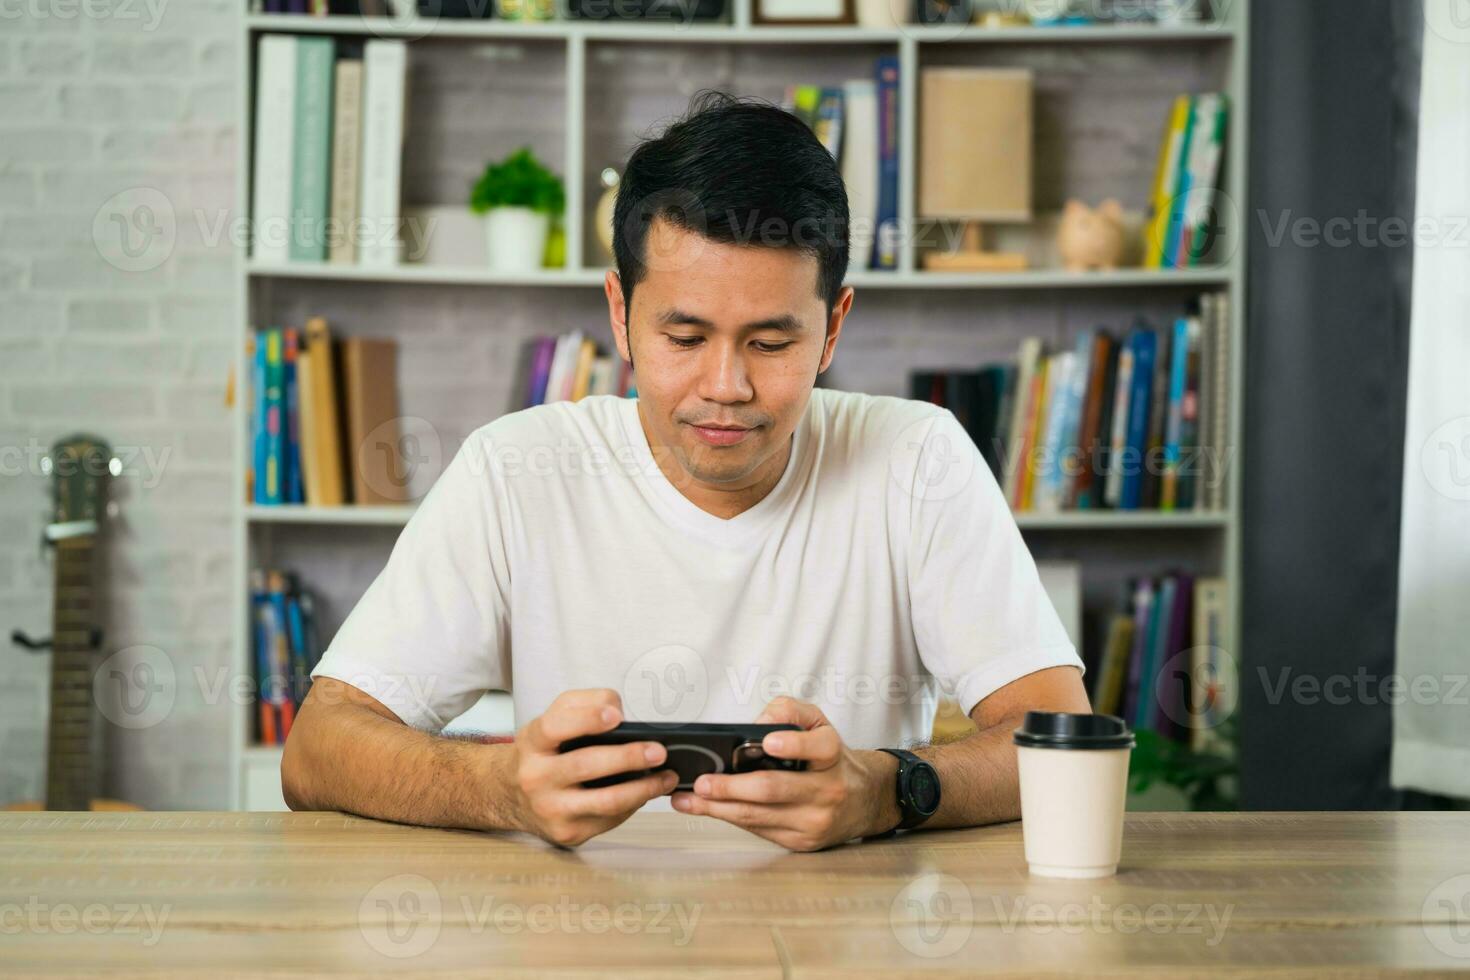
519,197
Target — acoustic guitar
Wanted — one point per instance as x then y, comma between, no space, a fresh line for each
80,467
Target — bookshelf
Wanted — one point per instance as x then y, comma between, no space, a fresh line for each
579,92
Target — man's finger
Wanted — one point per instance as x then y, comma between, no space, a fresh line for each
789,711
767,786
746,815
821,747
611,801
547,732
596,761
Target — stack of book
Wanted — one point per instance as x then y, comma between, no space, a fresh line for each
1182,223
284,649
1163,666
570,367
858,123
328,151
1139,422
321,412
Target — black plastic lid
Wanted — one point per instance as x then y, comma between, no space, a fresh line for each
1058,730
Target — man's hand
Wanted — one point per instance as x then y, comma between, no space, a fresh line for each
552,803
844,793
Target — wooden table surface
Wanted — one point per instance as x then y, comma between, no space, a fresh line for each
225,894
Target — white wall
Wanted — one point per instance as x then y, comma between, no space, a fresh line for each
99,97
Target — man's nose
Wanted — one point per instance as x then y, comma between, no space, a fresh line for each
725,378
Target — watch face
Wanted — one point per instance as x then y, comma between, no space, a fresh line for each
924,788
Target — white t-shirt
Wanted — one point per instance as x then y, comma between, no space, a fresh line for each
553,554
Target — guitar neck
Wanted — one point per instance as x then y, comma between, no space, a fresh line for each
69,773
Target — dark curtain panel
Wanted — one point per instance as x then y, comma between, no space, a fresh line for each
1333,133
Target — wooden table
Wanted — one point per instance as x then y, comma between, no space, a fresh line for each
224,894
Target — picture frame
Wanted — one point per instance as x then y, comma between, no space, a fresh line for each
799,13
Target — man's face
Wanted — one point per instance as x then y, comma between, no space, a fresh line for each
727,341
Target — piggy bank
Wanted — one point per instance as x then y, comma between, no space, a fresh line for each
1091,239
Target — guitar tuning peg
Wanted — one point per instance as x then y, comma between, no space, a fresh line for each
114,466
113,510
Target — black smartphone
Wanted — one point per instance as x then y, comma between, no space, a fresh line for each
694,749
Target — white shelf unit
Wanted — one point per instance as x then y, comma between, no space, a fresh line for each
1224,43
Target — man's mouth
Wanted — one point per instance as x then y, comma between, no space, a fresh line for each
720,434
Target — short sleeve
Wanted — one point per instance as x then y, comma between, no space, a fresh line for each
981,617
432,632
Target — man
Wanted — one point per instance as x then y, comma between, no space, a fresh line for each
732,546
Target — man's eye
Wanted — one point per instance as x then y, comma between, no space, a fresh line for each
683,341
772,348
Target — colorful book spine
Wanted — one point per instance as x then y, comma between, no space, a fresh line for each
1117,454
1173,426
1197,240
540,369
385,76
1163,188
886,240
270,200
273,487
1174,230
829,121
1189,416
1143,600
1134,465
291,469
1146,710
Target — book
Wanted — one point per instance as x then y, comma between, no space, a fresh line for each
1094,433
346,160
860,168
1059,382
1204,175
275,97
1107,696
1213,671
1143,602
1118,461
828,127
540,369
1218,441
1026,358
385,75
1146,709
886,233
311,147
1164,182
1158,407
1130,494
582,372
370,394
326,485
273,485
1174,414
255,398
294,492
1035,434
1189,417
1173,229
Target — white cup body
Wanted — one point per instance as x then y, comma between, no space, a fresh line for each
1072,804
515,238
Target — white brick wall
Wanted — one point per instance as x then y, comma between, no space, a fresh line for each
91,106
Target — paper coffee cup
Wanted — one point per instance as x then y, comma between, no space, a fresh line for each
1074,783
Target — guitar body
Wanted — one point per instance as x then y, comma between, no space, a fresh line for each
80,466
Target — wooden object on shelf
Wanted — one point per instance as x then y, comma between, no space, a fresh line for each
975,159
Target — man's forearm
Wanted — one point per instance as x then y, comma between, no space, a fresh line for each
345,756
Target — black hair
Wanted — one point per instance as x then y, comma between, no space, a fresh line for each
737,171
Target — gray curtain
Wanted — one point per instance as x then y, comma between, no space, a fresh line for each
1332,134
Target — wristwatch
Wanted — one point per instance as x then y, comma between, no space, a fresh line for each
918,791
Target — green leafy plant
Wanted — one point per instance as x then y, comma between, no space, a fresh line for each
520,180
1208,780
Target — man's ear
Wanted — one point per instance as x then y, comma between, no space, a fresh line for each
835,319
617,313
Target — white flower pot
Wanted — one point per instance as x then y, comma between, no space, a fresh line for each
515,238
